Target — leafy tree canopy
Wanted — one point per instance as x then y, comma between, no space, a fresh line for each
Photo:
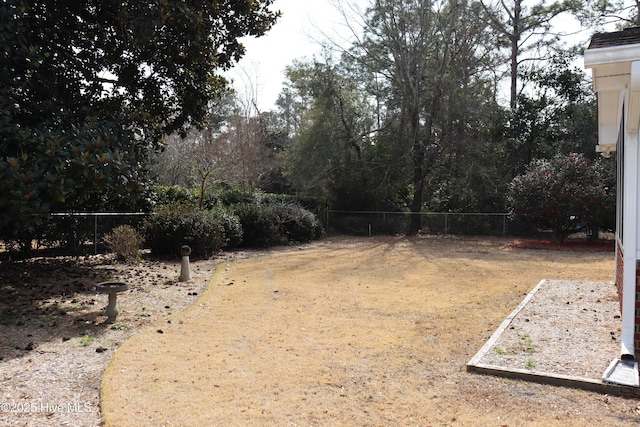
558,115
156,60
564,194
90,86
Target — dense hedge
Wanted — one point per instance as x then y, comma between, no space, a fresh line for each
177,224
230,218
258,225
276,223
166,195
233,232
296,223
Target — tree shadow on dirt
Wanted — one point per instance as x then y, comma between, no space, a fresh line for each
44,299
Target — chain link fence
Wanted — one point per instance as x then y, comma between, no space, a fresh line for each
374,222
85,231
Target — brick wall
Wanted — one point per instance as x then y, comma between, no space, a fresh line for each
619,270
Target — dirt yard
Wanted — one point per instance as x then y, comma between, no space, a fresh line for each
353,331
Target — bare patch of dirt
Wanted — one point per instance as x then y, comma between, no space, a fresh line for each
346,331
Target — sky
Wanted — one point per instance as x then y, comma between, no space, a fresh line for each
296,35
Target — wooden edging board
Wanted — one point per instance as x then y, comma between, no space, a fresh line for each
589,384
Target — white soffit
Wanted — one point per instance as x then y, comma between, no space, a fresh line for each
611,76
611,55
614,69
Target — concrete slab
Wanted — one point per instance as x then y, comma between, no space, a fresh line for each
623,372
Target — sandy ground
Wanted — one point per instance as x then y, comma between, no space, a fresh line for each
368,331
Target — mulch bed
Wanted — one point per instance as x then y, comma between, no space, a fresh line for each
568,245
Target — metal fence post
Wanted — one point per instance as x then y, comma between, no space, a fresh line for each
445,222
95,234
504,225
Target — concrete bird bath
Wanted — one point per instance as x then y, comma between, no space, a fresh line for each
111,288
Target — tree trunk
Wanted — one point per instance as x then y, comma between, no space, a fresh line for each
515,47
416,202
418,157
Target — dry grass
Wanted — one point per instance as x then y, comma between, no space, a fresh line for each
353,332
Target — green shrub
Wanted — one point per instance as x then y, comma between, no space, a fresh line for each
276,223
258,226
233,196
231,225
562,194
125,242
176,224
168,194
295,223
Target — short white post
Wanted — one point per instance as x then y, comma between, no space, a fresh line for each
185,273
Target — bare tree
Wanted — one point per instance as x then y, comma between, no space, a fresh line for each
527,30
230,148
